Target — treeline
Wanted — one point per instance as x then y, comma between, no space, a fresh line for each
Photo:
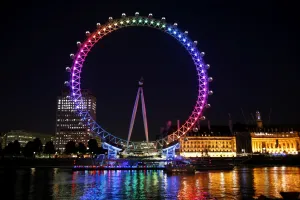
73,148
36,147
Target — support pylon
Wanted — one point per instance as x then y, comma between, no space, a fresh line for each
139,93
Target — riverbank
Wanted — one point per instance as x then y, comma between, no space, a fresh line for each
259,160
36,167
43,163
68,163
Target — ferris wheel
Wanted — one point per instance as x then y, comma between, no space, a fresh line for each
147,21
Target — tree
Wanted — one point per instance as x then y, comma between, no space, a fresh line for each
16,147
81,148
13,148
49,148
93,145
101,150
38,145
71,147
9,149
29,149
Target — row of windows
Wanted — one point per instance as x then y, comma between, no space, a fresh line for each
72,112
275,146
67,124
71,132
202,151
279,147
71,135
20,136
72,138
207,146
67,120
64,143
64,140
209,142
68,100
72,104
73,126
72,108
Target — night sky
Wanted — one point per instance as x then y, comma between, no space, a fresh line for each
251,49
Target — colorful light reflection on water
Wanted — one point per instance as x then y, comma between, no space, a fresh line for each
241,183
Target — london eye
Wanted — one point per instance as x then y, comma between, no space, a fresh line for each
182,37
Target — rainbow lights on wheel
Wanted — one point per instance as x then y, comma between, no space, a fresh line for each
137,20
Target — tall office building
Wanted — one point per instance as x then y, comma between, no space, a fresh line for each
68,123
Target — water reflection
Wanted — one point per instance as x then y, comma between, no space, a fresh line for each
271,181
241,183
245,182
125,185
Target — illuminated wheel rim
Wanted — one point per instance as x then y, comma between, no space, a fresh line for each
113,25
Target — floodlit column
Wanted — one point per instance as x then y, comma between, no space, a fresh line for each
144,115
133,116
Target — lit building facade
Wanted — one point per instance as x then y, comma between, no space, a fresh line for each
24,137
69,126
212,142
274,140
217,141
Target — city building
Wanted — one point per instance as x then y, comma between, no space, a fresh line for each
217,141
267,139
213,141
243,139
273,140
69,126
24,137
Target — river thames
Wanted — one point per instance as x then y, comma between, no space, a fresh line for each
240,183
